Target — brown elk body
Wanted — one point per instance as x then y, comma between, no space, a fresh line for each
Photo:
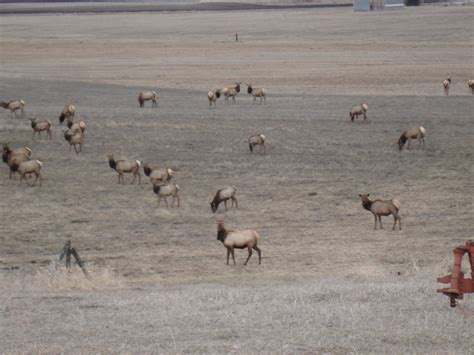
446,83
40,126
13,106
358,110
124,167
212,96
74,139
68,112
30,167
156,174
231,92
259,140
412,133
145,96
164,191
381,208
13,158
223,195
261,93
239,239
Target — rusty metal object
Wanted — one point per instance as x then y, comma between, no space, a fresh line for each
458,284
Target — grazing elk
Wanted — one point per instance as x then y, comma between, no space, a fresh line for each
163,191
223,195
412,133
13,106
358,110
30,167
13,158
238,239
261,93
212,96
446,83
145,96
68,112
231,92
259,140
40,126
125,166
381,208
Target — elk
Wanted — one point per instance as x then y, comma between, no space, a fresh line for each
68,112
39,126
163,191
223,195
446,83
76,127
259,140
145,96
74,138
13,106
238,239
212,96
158,174
13,158
125,166
381,208
358,110
231,92
470,85
412,133
257,92
30,167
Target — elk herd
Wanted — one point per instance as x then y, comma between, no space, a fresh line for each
20,161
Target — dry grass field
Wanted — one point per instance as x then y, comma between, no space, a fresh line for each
158,283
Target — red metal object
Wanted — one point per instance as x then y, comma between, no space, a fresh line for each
459,284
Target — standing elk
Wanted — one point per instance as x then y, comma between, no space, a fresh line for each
39,126
231,92
124,167
470,85
212,96
163,191
358,110
412,133
257,92
68,112
13,106
223,195
13,158
145,96
259,140
446,83
238,239
157,174
30,167
381,208
74,138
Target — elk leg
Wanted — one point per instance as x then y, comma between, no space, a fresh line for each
225,204
159,200
409,141
250,254
380,222
139,178
259,252
375,226
75,149
177,198
133,180
166,201
36,178
233,255
228,254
